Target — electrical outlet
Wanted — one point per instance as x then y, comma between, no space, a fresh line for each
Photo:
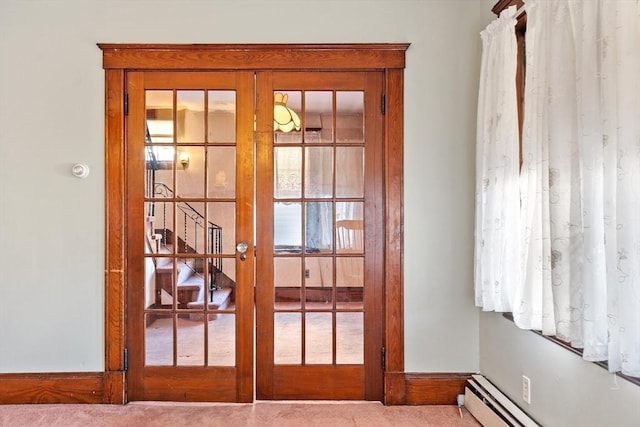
526,389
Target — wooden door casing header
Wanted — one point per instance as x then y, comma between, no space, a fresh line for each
254,56
120,58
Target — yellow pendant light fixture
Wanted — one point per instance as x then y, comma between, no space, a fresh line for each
284,118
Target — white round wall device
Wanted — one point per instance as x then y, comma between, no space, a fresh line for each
80,170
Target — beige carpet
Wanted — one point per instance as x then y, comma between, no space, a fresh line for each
263,414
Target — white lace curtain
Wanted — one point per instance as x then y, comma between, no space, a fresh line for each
497,197
579,219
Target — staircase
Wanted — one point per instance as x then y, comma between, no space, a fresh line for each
191,287
190,284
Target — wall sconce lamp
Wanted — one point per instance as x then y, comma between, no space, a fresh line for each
284,118
183,158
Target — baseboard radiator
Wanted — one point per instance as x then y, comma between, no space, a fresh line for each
492,408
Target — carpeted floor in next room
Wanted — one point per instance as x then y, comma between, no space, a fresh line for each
259,414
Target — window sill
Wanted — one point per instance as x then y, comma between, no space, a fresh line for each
566,345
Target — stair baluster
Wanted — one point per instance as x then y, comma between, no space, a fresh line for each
217,278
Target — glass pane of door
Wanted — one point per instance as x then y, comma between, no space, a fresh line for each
190,265
318,200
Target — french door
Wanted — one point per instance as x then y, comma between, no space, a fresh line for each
318,287
254,234
189,200
191,235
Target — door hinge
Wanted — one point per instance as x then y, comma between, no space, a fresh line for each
383,104
383,358
125,360
126,104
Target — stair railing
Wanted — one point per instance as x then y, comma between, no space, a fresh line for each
190,214
194,220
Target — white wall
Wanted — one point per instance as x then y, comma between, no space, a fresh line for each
566,391
51,116
440,103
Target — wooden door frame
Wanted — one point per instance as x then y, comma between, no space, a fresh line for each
119,58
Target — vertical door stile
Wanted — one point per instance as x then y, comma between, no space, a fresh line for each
264,192
135,218
374,247
245,221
